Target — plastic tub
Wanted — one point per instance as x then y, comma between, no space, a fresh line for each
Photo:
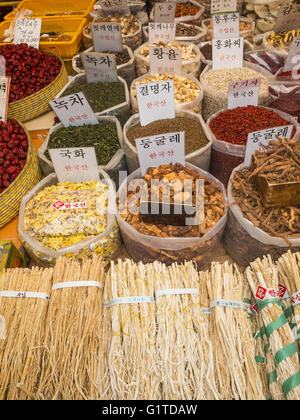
148,249
199,158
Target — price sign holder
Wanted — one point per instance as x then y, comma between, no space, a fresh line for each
109,7
293,56
74,110
243,93
4,97
226,25
155,101
165,60
164,12
288,18
227,53
223,6
28,31
75,164
107,37
99,67
161,32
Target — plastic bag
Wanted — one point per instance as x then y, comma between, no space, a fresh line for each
269,61
286,97
195,19
246,34
121,111
263,12
106,243
194,106
199,158
126,71
215,100
112,168
226,156
244,242
191,66
148,249
201,34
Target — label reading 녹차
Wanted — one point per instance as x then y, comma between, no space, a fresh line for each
164,60
100,67
227,53
160,149
107,37
226,25
28,31
161,32
243,93
74,110
263,137
75,164
155,101
164,12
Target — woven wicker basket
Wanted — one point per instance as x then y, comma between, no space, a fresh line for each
38,103
10,198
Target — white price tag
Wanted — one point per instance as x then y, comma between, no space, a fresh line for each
263,137
293,57
74,110
100,67
227,53
162,32
4,97
226,26
164,12
28,31
74,164
107,37
219,6
243,93
165,60
113,6
288,18
155,101
2,66
160,149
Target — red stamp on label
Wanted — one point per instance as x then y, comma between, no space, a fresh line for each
261,293
58,204
282,290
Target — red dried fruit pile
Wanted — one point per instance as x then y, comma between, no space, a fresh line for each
29,68
13,152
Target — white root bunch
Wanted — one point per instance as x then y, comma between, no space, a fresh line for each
132,364
233,341
265,274
71,362
22,331
289,274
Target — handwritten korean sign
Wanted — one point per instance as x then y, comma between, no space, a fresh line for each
4,97
161,32
113,6
74,110
227,53
164,60
2,66
243,93
164,12
160,149
288,18
28,31
291,59
107,37
263,137
219,6
226,26
75,164
100,67
155,101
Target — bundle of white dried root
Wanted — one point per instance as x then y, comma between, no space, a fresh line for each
71,361
130,307
181,343
233,335
24,299
262,277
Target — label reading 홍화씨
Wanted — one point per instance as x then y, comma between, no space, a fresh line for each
227,53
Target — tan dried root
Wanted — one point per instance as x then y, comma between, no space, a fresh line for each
23,332
264,273
132,359
234,336
71,365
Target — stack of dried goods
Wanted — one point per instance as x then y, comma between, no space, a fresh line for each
253,229
286,98
264,14
156,240
280,42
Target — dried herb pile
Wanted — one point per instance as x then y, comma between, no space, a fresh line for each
282,222
100,96
102,136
